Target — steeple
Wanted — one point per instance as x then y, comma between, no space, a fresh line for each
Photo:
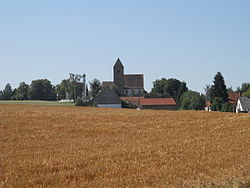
118,71
118,63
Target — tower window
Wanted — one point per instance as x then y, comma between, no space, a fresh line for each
118,71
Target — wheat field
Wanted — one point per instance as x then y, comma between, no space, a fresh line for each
56,146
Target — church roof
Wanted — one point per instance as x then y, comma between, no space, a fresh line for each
118,63
107,96
133,81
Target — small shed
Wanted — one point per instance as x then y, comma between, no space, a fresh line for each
108,98
157,103
243,105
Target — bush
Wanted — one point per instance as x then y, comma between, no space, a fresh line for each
227,107
216,104
79,102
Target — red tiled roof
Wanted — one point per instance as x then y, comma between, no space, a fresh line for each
233,96
133,100
157,101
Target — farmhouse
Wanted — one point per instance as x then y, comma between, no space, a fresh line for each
126,84
157,103
232,99
108,98
243,105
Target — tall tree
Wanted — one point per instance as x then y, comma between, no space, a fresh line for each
95,87
207,92
76,85
244,87
42,89
169,88
22,91
63,89
246,93
158,86
219,88
7,92
192,100
1,95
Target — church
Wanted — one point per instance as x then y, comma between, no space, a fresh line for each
126,84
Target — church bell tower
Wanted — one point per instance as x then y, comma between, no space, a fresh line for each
118,70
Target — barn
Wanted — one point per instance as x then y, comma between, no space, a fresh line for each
157,103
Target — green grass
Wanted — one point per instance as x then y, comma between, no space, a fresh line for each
36,102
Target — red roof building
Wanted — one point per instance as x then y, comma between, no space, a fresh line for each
157,103
233,97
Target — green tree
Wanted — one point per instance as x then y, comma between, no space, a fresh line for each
95,87
244,87
42,89
227,107
158,86
1,95
192,100
207,92
76,87
22,91
230,89
63,88
246,93
219,91
169,88
216,104
7,92
13,97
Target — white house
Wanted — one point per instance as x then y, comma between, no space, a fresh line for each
243,105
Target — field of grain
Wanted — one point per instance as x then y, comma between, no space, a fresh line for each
60,146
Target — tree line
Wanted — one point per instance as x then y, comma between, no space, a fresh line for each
42,89
216,94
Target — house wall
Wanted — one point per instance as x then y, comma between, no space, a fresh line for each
109,105
160,107
238,107
207,108
133,92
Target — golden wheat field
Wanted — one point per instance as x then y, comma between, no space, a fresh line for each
56,146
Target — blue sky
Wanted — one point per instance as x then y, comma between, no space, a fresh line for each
189,40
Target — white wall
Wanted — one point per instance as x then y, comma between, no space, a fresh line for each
109,105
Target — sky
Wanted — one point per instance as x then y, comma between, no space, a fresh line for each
190,40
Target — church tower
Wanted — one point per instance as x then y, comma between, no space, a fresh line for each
118,70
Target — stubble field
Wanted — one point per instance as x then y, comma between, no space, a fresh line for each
55,146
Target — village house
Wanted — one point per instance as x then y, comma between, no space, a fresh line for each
108,98
243,105
232,99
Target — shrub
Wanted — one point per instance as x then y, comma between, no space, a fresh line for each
79,102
